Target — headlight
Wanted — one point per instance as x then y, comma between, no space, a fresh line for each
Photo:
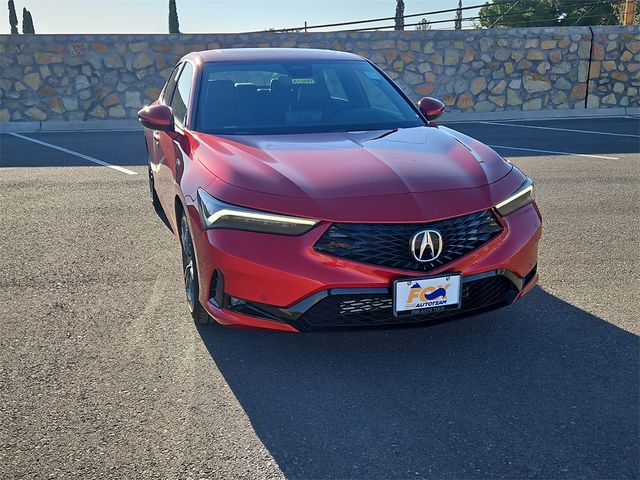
523,196
217,214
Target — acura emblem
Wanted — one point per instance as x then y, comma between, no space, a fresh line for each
426,245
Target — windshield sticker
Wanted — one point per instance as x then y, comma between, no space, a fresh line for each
303,81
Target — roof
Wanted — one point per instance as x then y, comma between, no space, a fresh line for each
248,54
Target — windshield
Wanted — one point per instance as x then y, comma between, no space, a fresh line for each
299,97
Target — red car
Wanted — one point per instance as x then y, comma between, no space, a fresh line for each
308,193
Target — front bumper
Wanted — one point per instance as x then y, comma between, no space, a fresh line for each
281,282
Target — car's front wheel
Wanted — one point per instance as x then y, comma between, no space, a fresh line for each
190,272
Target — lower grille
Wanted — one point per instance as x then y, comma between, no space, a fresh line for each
372,310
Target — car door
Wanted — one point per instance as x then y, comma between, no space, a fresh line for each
156,155
169,143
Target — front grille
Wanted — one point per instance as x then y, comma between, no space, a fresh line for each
388,245
372,310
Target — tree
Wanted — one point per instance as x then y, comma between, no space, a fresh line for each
458,22
423,25
399,15
13,18
27,22
547,13
174,24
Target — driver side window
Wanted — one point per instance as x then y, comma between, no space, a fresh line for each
181,95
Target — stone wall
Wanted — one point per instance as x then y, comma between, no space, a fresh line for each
614,69
91,77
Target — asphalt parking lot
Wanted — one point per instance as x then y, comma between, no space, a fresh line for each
104,375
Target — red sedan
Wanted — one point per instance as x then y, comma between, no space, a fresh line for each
307,192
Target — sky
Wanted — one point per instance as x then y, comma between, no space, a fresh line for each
210,16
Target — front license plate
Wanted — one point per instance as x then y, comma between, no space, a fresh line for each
428,294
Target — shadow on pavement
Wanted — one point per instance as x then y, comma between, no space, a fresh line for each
540,389
162,216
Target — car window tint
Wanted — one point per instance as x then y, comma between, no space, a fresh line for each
298,96
180,100
334,85
167,92
373,85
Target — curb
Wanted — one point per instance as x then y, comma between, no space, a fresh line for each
70,126
448,117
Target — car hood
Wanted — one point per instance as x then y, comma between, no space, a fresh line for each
351,164
411,175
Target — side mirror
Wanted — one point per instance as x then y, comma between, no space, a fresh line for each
157,117
431,107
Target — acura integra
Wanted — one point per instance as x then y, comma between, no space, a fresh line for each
307,192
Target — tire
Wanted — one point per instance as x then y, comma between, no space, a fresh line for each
155,201
190,275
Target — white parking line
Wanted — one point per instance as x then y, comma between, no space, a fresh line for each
76,154
562,129
554,152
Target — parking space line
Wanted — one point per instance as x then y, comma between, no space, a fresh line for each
562,129
554,152
76,154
